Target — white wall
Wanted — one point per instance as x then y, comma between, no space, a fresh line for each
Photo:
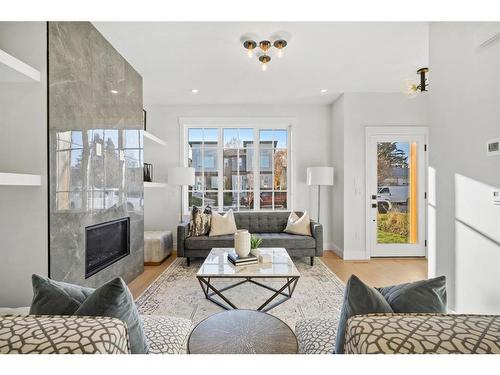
361,110
23,149
311,146
338,163
464,114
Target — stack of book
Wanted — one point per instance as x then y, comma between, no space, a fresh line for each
234,259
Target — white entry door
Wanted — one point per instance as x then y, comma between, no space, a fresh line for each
395,189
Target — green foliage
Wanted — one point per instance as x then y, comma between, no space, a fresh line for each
395,223
255,242
385,237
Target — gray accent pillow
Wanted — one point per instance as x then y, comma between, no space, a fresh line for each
52,297
113,299
359,299
424,296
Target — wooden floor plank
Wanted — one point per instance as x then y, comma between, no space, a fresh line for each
375,272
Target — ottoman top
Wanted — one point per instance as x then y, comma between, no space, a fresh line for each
156,233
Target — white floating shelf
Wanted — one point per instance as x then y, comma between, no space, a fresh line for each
14,70
18,179
155,184
154,138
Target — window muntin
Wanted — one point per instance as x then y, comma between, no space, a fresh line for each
230,171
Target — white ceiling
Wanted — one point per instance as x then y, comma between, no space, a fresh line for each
175,57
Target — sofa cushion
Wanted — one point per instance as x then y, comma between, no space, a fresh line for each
222,225
286,240
424,296
207,242
423,334
62,335
165,334
199,224
316,335
359,299
113,299
52,297
298,224
262,222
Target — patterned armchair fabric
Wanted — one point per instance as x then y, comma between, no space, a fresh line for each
62,335
403,333
316,336
166,335
423,334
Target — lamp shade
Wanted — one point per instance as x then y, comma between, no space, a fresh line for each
320,175
181,176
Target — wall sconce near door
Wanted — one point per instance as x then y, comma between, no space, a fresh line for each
412,88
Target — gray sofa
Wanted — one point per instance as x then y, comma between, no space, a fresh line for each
267,225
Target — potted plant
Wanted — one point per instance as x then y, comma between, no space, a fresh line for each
255,242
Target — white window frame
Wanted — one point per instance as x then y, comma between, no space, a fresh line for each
257,124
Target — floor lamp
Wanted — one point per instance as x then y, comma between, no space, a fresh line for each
181,176
320,176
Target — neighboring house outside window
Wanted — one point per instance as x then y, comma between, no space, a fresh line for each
239,168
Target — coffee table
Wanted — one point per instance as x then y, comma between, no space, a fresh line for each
216,266
242,332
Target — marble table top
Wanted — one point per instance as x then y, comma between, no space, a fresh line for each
217,265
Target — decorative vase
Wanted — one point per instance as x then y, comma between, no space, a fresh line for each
242,243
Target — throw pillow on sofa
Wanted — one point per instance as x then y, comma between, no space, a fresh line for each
359,299
113,299
222,225
199,224
298,225
424,296
52,297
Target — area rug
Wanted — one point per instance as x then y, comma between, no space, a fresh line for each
177,292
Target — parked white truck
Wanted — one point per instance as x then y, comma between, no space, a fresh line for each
388,196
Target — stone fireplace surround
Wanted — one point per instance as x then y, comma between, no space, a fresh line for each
95,150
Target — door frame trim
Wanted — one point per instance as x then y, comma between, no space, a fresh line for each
370,131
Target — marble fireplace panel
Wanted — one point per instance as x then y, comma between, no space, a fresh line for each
95,150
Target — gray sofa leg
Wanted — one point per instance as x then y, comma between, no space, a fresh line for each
312,261
188,261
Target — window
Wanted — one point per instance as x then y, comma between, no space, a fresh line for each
239,168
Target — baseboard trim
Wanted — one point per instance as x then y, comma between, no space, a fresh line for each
337,250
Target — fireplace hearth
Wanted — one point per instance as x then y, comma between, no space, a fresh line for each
105,244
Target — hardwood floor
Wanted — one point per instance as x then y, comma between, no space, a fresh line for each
141,282
376,272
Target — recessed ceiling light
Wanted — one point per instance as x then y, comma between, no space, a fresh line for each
195,91
323,91
114,91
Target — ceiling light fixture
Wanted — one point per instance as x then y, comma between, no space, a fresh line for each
265,47
114,91
250,46
323,91
264,59
280,45
195,91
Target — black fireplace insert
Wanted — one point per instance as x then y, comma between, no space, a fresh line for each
105,244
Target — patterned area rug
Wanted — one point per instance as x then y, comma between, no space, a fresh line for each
177,292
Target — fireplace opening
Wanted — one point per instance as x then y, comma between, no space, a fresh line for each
105,244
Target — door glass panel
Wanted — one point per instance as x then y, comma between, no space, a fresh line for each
397,215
